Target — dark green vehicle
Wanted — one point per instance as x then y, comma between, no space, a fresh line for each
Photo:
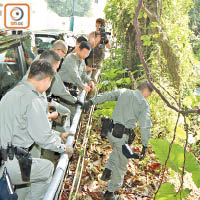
16,54
45,39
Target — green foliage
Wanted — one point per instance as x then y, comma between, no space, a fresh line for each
120,13
195,17
64,7
176,159
195,26
167,192
169,53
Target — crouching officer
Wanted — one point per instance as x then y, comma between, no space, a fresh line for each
131,106
23,122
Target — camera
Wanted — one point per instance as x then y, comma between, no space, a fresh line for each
104,38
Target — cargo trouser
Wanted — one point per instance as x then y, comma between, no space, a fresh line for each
95,74
41,175
117,162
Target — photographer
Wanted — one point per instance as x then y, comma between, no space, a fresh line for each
99,41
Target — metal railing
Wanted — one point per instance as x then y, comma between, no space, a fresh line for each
53,190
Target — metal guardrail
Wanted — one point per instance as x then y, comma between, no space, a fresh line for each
53,190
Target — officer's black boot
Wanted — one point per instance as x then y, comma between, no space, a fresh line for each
106,174
109,196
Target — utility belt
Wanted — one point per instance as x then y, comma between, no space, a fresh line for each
70,85
73,90
53,98
22,155
118,130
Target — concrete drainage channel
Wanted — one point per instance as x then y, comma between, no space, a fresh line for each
82,142
54,188
57,184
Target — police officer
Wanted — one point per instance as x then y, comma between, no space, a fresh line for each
57,88
60,47
73,71
78,41
23,122
131,106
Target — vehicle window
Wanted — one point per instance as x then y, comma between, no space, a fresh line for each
10,72
44,43
29,49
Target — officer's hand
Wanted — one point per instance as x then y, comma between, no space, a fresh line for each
91,85
86,106
53,115
143,153
86,88
65,135
69,150
89,69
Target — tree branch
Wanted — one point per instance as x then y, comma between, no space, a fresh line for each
170,148
166,91
147,70
185,147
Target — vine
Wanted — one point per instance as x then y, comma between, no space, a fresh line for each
160,34
148,75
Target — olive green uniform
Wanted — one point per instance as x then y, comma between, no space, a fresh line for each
131,107
73,70
23,121
58,89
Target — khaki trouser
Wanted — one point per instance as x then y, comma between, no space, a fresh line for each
117,162
41,175
95,74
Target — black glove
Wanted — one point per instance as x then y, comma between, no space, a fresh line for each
107,125
143,151
73,92
142,155
126,150
78,102
87,105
